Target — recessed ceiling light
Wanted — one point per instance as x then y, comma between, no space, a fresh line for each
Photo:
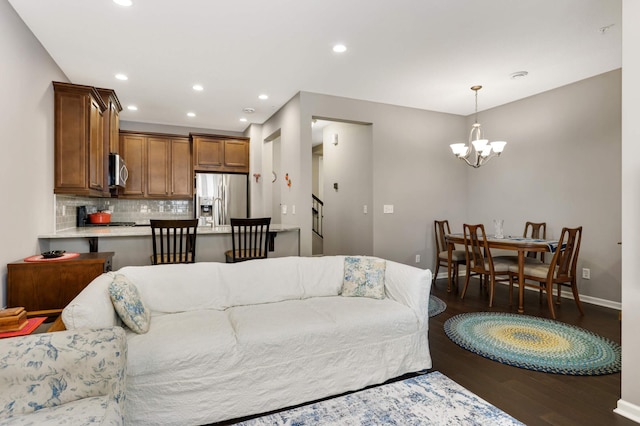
122,77
339,48
191,114
519,74
198,87
126,3
132,108
263,97
243,119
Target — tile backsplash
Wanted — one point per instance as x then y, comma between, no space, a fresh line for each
139,211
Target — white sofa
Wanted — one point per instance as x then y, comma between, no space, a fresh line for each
231,340
68,377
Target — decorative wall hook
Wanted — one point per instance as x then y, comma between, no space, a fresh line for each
286,178
257,176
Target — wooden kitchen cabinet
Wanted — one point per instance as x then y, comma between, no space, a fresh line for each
45,288
158,167
133,150
111,121
181,168
213,153
80,157
161,167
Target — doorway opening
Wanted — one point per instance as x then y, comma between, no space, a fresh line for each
342,187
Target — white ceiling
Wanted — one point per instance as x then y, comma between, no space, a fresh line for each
418,53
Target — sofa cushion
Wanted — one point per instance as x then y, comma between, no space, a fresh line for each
128,304
193,341
321,275
364,277
92,308
310,327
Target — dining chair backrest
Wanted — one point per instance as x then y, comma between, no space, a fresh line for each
565,259
250,239
174,240
441,228
477,249
536,230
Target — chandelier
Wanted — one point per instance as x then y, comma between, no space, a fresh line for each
480,150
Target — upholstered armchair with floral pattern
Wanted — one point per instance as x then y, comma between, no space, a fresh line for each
72,377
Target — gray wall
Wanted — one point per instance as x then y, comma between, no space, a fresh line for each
26,120
346,228
562,166
410,164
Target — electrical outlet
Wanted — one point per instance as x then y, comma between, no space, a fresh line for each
284,209
586,273
293,209
364,209
417,258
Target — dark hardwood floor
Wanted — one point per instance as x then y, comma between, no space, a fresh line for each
534,398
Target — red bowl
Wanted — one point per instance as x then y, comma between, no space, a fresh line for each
101,217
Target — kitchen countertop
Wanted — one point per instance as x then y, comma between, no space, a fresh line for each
135,231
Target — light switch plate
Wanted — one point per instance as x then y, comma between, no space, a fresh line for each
388,208
284,209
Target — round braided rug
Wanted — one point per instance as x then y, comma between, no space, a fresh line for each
436,306
534,343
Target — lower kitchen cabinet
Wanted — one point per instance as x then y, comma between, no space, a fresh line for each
45,288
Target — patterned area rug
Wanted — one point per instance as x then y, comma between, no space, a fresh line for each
436,306
533,343
431,399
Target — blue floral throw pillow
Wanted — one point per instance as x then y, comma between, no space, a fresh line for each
364,277
127,303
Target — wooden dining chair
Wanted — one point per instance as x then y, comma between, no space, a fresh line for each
174,240
249,239
458,257
561,271
479,261
536,230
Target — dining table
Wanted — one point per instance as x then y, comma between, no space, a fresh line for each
520,244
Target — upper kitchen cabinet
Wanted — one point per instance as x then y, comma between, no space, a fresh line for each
111,119
213,153
159,165
81,166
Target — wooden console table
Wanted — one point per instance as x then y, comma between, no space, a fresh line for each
45,288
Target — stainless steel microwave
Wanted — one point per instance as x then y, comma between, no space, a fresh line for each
118,172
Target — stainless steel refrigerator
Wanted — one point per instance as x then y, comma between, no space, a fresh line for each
219,197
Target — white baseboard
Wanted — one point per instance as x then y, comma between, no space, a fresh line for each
628,410
565,294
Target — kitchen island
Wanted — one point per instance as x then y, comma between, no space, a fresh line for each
133,247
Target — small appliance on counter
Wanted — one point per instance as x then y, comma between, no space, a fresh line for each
90,216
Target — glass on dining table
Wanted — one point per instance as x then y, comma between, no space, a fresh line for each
498,228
